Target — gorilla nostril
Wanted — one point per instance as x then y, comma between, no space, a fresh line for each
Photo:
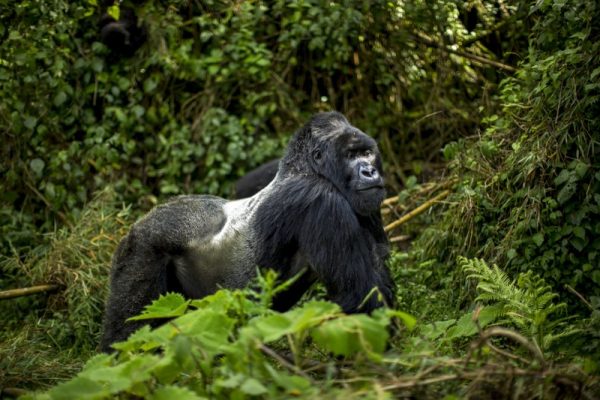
369,172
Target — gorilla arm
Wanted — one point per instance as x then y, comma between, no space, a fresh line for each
346,254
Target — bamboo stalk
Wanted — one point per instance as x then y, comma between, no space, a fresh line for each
12,293
419,210
390,201
400,238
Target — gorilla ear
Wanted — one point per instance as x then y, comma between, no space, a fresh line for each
317,156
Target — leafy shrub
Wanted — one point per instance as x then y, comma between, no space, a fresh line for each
45,337
224,347
529,192
231,345
215,91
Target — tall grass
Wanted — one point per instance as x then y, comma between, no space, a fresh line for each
46,337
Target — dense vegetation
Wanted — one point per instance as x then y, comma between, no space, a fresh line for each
490,107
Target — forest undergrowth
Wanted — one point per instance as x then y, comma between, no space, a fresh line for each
487,114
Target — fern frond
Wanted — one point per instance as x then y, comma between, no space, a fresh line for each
528,303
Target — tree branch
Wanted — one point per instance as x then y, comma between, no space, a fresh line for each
430,42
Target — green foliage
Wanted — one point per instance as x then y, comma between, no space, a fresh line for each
529,304
217,89
45,337
528,195
167,306
231,345
219,350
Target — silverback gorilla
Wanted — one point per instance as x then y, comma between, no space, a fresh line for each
319,217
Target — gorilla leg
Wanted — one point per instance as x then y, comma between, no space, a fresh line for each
283,301
138,276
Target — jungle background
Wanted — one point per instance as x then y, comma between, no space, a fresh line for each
488,118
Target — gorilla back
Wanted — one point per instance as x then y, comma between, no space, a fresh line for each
319,217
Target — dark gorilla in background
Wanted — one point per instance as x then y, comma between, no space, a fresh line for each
256,180
122,37
319,218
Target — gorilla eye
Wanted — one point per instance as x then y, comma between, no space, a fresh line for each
359,153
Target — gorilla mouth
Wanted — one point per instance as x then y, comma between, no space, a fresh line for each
367,188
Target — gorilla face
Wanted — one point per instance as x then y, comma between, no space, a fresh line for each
363,179
354,165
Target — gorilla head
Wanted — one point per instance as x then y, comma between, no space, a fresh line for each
319,219
341,154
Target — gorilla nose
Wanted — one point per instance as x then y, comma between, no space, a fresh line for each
368,173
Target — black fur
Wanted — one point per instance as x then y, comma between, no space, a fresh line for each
122,37
256,180
321,211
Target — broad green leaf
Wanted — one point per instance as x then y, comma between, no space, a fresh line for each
138,110
114,11
142,339
222,299
209,328
311,314
175,393
581,169
566,192
272,327
511,253
350,334
538,239
30,122
167,370
578,243
60,98
253,387
123,376
294,385
467,327
231,381
149,85
436,329
78,388
37,166
579,232
166,306
408,320
564,176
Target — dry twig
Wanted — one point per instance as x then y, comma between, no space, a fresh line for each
419,210
285,363
9,294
